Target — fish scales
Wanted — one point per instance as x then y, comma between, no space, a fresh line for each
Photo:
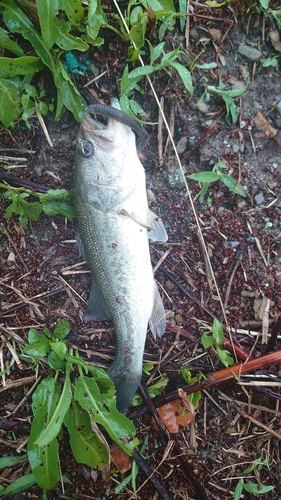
114,224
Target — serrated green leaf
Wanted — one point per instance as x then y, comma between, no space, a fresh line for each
9,44
24,65
8,461
62,329
204,177
20,484
44,460
85,445
102,410
10,108
56,420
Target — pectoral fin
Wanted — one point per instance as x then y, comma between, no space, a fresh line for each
157,230
157,320
154,225
96,310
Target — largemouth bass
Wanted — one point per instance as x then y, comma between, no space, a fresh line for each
114,224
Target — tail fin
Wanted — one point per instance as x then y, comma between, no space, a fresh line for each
125,391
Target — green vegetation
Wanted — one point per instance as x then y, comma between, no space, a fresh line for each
55,201
207,178
215,340
252,487
41,36
76,396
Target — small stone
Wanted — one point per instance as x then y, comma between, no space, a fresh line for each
203,107
259,198
249,52
244,72
182,144
11,257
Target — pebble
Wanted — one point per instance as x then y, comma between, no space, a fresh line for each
175,179
203,107
249,52
182,144
259,198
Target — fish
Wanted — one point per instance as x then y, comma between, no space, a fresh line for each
114,226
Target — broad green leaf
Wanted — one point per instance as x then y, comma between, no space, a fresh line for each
203,191
207,340
102,410
47,10
257,489
10,108
55,362
204,177
67,94
182,8
224,357
184,74
9,44
264,4
231,183
20,484
56,420
63,208
44,460
156,5
238,490
62,329
217,332
159,386
17,22
155,52
74,10
20,65
38,349
66,41
141,71
96,19
59,348
8,461
85,445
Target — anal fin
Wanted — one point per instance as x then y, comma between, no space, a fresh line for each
157,320
96,310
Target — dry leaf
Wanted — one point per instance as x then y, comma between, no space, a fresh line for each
121,460
275,40
265,130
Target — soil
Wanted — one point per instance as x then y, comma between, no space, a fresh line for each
237,421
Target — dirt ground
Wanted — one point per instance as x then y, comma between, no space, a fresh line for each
237,421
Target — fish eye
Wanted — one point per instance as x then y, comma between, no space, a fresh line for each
86,149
